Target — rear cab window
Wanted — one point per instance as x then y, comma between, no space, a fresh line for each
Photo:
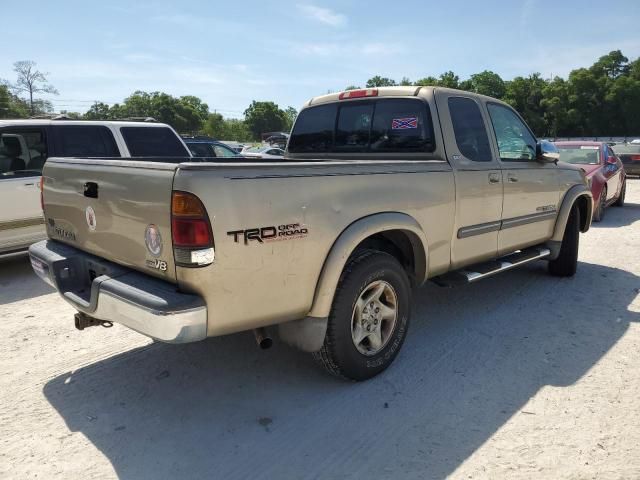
153,142
23,152
382,125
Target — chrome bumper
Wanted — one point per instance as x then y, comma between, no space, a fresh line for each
108,291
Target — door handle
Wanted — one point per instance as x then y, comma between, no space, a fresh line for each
512,178
494,178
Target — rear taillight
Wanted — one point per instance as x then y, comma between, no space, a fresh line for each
190,231
635,158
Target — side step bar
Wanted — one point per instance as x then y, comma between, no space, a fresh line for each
483,270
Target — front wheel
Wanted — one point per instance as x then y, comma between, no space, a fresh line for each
623,191
567,262
369,317
598,215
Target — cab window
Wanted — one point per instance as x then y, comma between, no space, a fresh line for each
469,129
22,152
515,141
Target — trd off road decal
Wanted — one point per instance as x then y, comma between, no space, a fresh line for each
270,234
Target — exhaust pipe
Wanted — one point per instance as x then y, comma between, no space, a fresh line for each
262,338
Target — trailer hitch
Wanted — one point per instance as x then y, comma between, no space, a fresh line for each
83,321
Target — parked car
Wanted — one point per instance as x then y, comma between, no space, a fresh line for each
603,169
209,148
267,152
629,153
382,190
279,141
25,146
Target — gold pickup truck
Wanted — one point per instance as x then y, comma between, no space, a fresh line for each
380,190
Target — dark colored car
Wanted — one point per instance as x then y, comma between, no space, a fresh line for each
629,153
604,170
206,148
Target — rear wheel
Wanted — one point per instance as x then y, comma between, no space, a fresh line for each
567,262
598,215
369,317
623,191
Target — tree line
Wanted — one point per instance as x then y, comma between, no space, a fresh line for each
600,100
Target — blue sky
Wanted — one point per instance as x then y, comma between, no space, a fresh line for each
229,53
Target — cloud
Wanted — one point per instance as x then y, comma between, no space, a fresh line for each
340,49
323,15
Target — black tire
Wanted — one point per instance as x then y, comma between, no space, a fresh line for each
598,215
567,262
339,355
620,199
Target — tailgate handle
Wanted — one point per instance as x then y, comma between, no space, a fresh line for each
91,190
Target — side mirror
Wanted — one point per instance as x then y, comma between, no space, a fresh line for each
547,152
612,160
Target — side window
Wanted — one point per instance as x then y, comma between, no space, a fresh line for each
469,129
85,141
515,141
354,126
313,130
22,153
152,142
223,152
201,150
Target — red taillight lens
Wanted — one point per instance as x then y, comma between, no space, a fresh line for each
635,158
369,92
190,232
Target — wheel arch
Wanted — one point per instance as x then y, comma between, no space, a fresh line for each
578,195
395,233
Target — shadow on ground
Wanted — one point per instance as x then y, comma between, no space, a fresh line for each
473,357
18,282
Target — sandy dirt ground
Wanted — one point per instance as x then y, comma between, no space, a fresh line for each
520,376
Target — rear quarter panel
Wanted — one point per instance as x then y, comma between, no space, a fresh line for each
257,284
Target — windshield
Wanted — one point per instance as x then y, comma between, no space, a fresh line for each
580,154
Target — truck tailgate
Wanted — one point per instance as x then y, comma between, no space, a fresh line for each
114,209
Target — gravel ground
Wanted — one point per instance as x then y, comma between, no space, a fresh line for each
520,376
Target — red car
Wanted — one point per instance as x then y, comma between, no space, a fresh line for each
604,171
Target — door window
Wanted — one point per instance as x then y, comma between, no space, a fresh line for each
223,152
22,153
515,141
84,141
469,129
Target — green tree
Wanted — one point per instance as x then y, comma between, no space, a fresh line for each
290,114
31,81
449,80
427,81
379,81
525,95
10,105
261,117
98,111
611,65
352,87
487,83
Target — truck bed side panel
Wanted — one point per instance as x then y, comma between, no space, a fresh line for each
255,283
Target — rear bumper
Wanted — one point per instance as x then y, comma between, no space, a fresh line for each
108,291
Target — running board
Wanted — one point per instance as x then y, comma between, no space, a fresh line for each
479,271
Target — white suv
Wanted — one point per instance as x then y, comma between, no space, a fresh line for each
25,146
